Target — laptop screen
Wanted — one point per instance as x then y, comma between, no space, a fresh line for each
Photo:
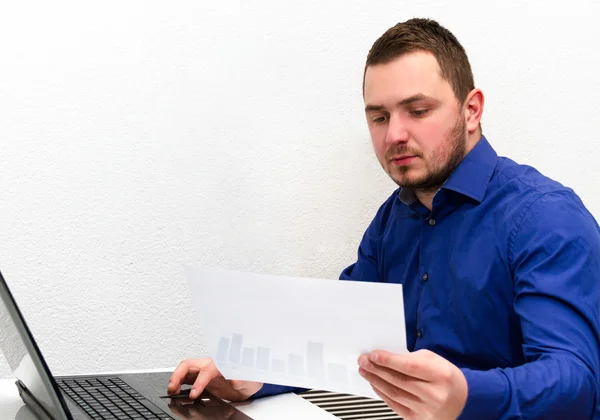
23,356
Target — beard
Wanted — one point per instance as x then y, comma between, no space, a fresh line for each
440,165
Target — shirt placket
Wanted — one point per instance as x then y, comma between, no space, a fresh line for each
427,230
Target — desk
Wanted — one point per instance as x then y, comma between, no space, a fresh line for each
286,406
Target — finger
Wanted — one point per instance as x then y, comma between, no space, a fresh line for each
419,364
206,374
392,392
178,376
398,408
415,386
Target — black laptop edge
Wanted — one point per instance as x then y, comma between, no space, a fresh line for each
37,359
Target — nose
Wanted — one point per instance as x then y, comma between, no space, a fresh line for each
396,131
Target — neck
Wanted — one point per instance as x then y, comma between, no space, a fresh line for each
425,196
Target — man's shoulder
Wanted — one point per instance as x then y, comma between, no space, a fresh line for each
525,190
386,207
517,178
390,206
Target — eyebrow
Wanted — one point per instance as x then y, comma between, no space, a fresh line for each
403,102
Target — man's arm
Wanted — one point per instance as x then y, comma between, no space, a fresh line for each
366,266
554,253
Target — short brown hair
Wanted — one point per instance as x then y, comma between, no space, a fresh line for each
426,35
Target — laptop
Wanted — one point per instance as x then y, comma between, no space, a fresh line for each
97,397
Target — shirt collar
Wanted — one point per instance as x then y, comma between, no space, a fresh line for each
407,196
470,178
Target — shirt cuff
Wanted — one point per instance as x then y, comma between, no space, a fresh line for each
488,394
271,389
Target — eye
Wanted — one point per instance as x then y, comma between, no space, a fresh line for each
379,119
419,112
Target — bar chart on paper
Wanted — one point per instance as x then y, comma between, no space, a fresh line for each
308,369
301,332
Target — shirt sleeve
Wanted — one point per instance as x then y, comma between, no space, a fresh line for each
366,266
554,253
268,390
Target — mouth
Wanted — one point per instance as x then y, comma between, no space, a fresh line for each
403,160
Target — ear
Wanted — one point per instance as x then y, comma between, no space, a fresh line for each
474,109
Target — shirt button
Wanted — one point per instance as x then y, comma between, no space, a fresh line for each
425,277
431,222
419,334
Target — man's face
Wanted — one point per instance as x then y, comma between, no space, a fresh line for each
417,126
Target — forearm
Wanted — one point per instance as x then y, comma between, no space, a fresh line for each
552,387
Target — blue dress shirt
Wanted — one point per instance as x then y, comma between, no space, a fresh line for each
501,278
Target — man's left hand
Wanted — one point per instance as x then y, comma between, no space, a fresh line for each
418,385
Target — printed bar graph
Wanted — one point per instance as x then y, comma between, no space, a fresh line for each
315,363
278,366
262,358
337,373
296,365
235,352
248,357
223,349
232,352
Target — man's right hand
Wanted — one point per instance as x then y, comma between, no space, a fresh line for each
203,374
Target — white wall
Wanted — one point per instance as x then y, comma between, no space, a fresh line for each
139,135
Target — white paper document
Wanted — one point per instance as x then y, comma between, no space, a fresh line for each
295,331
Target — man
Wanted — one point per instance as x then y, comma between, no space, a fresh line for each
500,265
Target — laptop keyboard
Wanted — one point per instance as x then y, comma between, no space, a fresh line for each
109,398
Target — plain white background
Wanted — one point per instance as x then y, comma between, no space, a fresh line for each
140,135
